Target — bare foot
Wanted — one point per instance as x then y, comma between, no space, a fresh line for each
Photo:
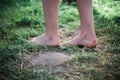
46,40
86,40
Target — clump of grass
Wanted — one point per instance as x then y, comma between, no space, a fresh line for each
26,21
107,23
4,3
67,15
117,20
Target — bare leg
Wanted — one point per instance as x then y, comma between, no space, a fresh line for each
87,35
51,37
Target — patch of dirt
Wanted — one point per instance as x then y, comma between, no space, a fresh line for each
50,61
66,35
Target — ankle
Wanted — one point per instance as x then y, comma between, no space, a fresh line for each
53,37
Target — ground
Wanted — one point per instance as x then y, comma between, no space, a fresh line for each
20,21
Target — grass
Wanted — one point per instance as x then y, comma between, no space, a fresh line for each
19,21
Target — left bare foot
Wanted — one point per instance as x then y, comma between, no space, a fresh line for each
46,40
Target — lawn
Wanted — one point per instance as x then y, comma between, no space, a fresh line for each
20,20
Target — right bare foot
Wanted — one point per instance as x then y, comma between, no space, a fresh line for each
77,41
85,39
46,40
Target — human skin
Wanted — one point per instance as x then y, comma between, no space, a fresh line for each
87,36
51,36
